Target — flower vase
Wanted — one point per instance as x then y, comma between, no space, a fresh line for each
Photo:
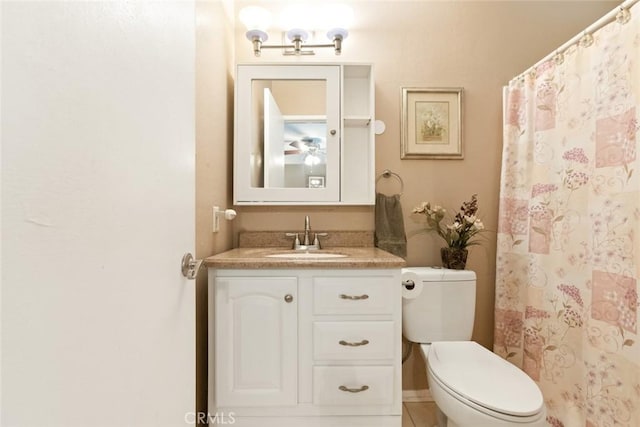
454,258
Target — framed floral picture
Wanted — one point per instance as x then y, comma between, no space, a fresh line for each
431,123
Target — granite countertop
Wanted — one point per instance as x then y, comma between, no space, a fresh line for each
256,257
255,246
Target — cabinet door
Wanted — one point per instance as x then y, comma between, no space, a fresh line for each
287,134
256,341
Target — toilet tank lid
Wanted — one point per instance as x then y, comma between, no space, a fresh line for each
438,274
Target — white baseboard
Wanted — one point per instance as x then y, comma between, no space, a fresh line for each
423,395
316,421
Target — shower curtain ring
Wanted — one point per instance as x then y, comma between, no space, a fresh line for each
558,58
623,16
586,40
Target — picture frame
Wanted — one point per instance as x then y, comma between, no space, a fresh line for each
431,123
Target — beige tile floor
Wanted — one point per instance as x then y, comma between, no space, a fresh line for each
418,414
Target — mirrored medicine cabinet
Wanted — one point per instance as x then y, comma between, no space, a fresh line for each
303,134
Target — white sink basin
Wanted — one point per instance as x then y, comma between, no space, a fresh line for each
306,255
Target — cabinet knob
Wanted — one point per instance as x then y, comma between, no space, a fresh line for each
332,132
288,298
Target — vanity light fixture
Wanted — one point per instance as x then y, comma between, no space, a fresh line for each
297,19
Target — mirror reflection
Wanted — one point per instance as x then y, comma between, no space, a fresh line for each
290,141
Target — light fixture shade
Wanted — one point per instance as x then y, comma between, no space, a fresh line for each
335,33
299,33
257,34
255,18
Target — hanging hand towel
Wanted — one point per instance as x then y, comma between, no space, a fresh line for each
389,234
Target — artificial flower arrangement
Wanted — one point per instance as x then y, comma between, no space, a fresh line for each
459,234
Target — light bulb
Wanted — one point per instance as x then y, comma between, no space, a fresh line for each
297,16
255,18
311,160
334,15
342,16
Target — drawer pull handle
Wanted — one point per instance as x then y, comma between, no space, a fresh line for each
354,297
353,390
353,344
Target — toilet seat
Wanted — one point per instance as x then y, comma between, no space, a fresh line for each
464,369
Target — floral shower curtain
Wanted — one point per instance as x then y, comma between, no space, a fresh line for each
568,259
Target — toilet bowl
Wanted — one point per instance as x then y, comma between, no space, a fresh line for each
474,387
471,386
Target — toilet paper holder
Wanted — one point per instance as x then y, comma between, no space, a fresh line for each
409,284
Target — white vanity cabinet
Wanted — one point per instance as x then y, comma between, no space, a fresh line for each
306,347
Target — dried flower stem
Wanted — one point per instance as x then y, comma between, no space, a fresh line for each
465,224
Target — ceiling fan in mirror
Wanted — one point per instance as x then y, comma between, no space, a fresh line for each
308,146
304,144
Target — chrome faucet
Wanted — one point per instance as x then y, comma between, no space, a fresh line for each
307,228
306,239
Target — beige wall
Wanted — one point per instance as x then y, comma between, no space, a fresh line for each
476,45
214,139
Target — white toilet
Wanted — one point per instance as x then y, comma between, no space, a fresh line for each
471,386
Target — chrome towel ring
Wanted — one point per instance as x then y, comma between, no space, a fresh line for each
388,174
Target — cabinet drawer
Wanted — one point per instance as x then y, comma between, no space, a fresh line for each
353,385
353,340
352,295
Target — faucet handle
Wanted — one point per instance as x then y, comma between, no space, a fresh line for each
316,241
296,241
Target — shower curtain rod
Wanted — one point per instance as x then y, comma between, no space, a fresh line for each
606,19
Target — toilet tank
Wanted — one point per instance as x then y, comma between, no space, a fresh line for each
438,304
